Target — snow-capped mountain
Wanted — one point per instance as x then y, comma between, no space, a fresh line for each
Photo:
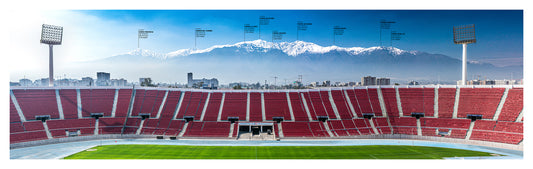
255,60
290,48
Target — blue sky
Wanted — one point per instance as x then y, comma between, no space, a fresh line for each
499,32
96,34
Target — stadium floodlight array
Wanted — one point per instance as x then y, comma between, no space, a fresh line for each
263,20
464,34
248,29
142,35
337,30
200,33
51,35
301,26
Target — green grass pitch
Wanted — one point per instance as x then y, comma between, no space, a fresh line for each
271,152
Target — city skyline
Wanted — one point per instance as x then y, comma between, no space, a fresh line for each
500,37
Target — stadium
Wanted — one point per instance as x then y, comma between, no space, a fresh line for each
57,122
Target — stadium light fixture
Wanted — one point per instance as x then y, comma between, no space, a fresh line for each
142,34
464,34
51,35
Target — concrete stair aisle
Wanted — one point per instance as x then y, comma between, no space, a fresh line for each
48,134
17,106
205,106
184,128
399,102
78,99
290,106
436,103
231,127
327,129
500,106
306,107
219,117
418,127
373,127
59,106
96,124
140,127
163,104
456,104
115,101
280,130
381,103
333,106
469,133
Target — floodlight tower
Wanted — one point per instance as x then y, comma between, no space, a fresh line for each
51,35
464,34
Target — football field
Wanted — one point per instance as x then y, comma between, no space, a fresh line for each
271,152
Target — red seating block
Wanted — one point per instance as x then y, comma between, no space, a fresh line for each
69,101
446,102
99,101
418,100
255,107
483,101
342,104
276,105
123,102
514,103
298,108
389,97
213,107
234,105
35,102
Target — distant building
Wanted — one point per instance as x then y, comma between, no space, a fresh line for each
326,83
201,83
119,82
480,82
25,82
414,83
497,82
103,79
42,82
368,81
383,81
14,84
146,81
86,81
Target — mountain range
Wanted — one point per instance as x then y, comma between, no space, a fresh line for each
259,60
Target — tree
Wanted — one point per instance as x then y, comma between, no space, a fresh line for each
238,87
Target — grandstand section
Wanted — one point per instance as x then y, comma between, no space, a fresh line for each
305,113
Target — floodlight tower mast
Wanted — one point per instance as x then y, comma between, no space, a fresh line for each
51,35
464,34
